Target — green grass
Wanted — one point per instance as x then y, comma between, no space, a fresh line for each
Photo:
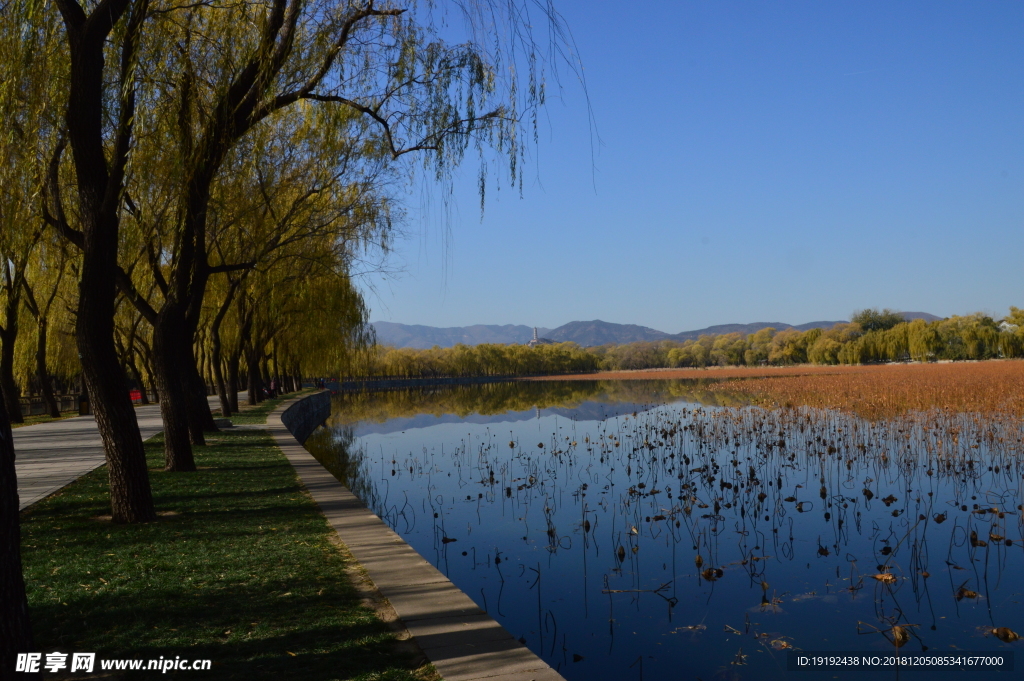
244,574
43,418
258,413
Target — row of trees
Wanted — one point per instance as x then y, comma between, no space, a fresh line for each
872,336
865,339
188,189
477,360
296,314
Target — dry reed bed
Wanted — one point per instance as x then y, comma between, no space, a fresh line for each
701,374
876,392
873,392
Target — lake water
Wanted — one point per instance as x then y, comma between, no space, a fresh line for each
655,530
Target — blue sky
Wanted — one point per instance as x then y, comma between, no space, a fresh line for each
780,161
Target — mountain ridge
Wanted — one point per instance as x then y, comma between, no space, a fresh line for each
584,333
420,336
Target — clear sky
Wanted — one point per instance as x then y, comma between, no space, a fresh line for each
758,161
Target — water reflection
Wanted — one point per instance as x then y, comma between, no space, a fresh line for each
625,530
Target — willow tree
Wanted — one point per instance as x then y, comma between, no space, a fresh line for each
215,71
49,302
320,322
365,64
14,257
220,69
318,208
300,310
22,110
283,196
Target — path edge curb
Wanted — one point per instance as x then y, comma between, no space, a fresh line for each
462,641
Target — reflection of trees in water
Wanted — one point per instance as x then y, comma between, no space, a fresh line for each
500,398
335,448
338,450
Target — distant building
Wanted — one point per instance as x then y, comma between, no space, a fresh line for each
1003,326
539,341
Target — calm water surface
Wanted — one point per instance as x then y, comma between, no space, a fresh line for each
647,530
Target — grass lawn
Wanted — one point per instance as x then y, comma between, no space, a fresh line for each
240,570
257,413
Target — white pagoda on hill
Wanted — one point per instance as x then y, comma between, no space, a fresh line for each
539,341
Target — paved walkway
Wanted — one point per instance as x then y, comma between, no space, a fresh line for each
462,641
49,456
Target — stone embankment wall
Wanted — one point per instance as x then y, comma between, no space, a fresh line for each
305,416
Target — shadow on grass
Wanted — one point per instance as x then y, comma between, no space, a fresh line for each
243,574
257,413
247,632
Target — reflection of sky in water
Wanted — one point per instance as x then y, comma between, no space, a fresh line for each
587,546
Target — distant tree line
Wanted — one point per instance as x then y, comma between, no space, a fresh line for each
872,336
477,360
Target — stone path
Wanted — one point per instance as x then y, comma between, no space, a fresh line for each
50,455
462,641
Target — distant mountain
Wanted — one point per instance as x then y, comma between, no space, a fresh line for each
748,328
586,334
920,315
728,328
601,333
819,325
418,336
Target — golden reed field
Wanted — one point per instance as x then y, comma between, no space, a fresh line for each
875,391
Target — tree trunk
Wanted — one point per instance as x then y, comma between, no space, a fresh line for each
208,378
15,627
201,365
252,359
131,499
233,383
99,185
276,375
253,388
178,366
146,356
8,337
265,371
222,390
178,455
200,417
45,384
8,386
226,408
